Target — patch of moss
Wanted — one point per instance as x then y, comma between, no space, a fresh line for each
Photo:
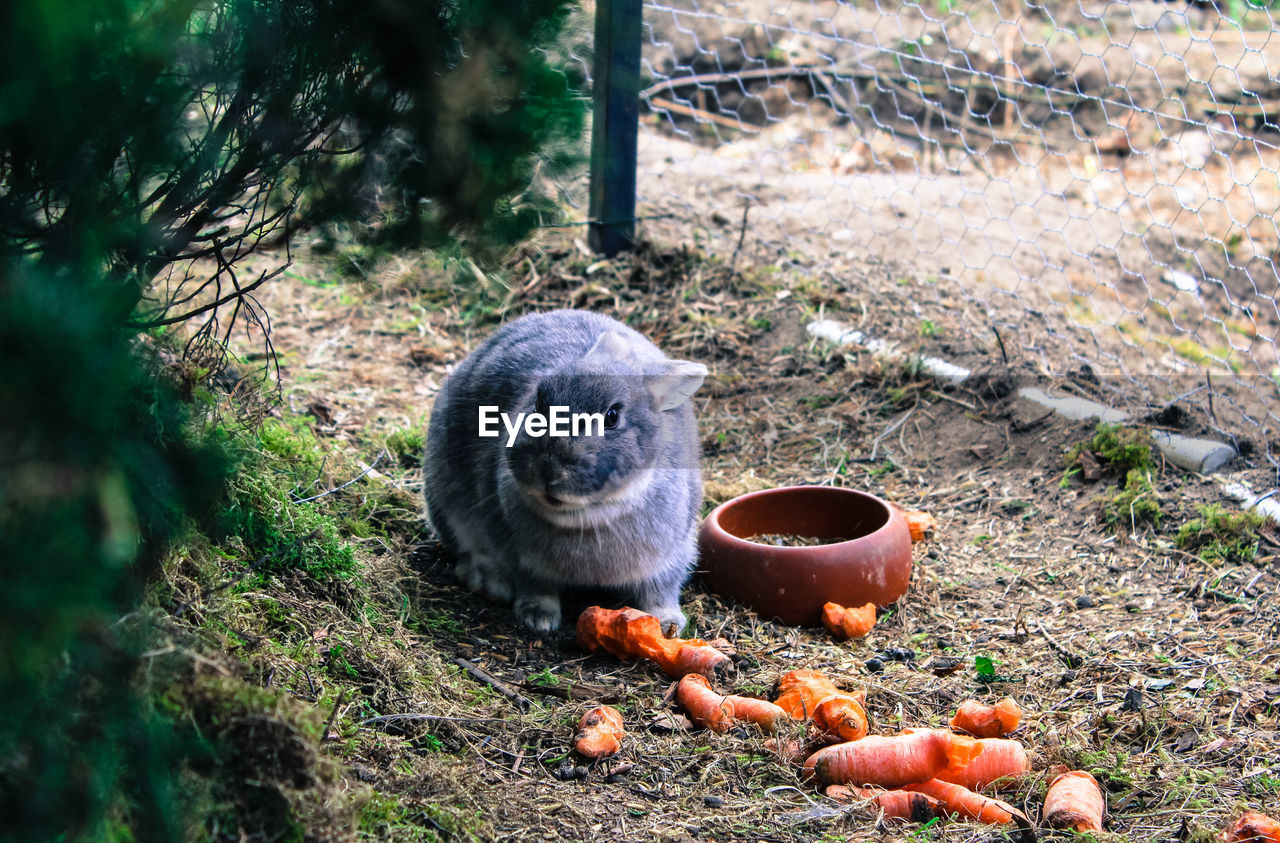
387,818
279,534
265,521
1121,449
406,444
1136,504
1221,536
1125,453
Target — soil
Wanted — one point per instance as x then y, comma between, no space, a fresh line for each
792,540
1128,228
1149,666
1152,667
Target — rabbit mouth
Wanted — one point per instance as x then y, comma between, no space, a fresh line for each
558,503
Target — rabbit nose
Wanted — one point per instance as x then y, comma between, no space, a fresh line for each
551,474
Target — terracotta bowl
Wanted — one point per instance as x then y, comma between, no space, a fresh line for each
791,583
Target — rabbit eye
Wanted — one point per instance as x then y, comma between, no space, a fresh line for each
612,416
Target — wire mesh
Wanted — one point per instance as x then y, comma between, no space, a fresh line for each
1090,186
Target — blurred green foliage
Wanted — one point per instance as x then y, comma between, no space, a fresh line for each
146,148
99,468
139,134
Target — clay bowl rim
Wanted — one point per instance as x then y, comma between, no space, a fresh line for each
712,521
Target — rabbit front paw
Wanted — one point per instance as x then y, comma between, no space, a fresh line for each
539,612
479,574
670,617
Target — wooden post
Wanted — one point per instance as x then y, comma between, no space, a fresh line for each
615,123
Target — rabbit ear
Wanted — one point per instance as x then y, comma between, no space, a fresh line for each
672,385
611,346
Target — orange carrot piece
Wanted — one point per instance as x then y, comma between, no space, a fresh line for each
920,524
800,691
891,762
707,708
848,623
1002,761
629,634
600,732
807,694
1074,801
964,802
842,717
1253,827
987,721
898,804
789,751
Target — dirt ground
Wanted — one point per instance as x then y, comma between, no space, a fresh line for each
1144,663
1128,222
1148,664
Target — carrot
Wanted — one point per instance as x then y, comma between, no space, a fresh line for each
920,524
788,751
807,694
1074,800
891,761
987,721
1002,762
1253,827
898,804
964,802
629,633
848,623
599,732
707,708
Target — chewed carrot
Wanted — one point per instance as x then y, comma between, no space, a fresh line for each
891,762
1253,827
1002,762
807,694
800,691
600,732
629,634
898,804
920,524
987,721
1074,801
707,708
789,751
964,802
848,623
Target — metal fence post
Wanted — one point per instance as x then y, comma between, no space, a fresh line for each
615,123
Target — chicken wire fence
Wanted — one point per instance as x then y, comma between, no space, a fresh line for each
1089,186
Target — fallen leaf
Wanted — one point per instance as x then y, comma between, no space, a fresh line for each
668,721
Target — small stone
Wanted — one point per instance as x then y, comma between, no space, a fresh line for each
713,801
1084,601
874,665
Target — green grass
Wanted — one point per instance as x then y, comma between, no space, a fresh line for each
269,523
1220,536
407,443
1122,449
1126,454
1137,503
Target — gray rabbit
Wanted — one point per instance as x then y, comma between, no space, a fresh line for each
527,513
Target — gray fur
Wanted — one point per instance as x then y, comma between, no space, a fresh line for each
616,511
